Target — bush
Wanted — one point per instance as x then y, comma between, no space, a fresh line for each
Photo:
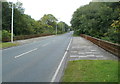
5,35
0,35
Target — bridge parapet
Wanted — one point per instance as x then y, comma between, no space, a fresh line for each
111,47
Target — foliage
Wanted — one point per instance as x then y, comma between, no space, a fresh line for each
48,23
95,19
62,27
6,16
24,24
116,26
48,19
6,34
114,32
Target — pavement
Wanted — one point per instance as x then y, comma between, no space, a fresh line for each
37,61
82,49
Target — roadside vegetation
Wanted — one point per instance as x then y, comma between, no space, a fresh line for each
7,45
91,71
98,19
25,25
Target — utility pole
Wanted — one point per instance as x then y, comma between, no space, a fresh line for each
56,28
63,28
12,24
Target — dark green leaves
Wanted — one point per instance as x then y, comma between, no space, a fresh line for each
95,19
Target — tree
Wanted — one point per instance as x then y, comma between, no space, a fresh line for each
48,19
24,24
6,16
19,7
49,23
62,27
95,19
114,32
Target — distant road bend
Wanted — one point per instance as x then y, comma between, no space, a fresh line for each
36,61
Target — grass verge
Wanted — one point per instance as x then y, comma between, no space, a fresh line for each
91,71
7,44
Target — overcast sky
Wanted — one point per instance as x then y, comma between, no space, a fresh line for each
61,9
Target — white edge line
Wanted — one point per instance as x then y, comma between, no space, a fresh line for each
25,53
57,70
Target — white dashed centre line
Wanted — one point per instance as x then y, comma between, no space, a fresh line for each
25,53
45,45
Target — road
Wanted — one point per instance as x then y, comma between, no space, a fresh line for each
36,61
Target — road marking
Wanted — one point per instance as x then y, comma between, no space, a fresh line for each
88,52
45,45
81,53
58,68
90,55
93,50
26,53
99,56
82,56
23,45
74,56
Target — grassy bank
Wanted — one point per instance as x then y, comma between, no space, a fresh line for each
7,44
91,71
